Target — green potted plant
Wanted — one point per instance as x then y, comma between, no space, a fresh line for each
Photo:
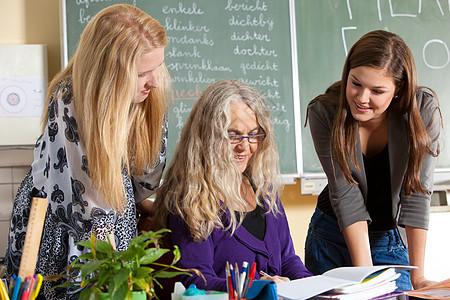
131,274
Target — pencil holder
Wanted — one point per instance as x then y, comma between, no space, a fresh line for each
221,296
179,293
262,290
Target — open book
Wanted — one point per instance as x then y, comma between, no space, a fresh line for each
339,280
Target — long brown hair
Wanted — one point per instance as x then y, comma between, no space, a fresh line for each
117,133
386,51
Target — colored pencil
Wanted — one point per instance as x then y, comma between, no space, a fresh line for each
243,278
38,283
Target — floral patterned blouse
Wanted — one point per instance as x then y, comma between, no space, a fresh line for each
75,209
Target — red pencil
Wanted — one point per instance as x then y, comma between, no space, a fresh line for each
230,285
27,291
251,276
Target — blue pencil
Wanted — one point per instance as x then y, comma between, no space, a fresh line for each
16,288
233,279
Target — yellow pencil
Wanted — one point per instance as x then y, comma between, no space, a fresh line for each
3,292
35,292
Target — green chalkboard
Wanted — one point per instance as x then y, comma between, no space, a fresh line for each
326,29
251,40
209,40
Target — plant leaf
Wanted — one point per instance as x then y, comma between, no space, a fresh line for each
152,255
104,247
168,274
133,252
90,267
150,235
121,276
176,254
104,276
86,244
85,294
120,292
141,284
143,272
86,256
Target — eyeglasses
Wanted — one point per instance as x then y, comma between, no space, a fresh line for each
253,139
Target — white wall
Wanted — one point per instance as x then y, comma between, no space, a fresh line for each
437,256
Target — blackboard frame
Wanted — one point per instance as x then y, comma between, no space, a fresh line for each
351,19
288,177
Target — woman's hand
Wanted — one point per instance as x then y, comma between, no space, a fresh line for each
417,238
276,278
421,282
357,239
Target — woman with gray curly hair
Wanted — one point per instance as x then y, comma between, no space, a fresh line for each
220,196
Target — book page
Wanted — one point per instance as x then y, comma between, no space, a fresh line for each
305,288
369,282
440,290
357,274
367,294
308,287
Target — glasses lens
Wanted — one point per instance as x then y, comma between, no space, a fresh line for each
256,138
234,139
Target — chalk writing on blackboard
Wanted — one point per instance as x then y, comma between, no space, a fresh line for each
247,40
333,26
440,48
249,37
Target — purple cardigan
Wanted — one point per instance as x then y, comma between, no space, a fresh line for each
275,255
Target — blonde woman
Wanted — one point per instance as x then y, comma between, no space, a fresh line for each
220,196
102,148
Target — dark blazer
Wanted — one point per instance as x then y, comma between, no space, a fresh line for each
348,200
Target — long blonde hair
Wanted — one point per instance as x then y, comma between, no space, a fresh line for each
202,182
116,133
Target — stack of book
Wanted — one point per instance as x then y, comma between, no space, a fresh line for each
345,283
376,284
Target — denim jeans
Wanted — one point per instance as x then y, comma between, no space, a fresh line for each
326,249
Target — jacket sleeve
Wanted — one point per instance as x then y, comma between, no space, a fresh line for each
197,255
415,208
291,264
346,198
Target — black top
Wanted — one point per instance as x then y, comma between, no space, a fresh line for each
255,222
379,201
